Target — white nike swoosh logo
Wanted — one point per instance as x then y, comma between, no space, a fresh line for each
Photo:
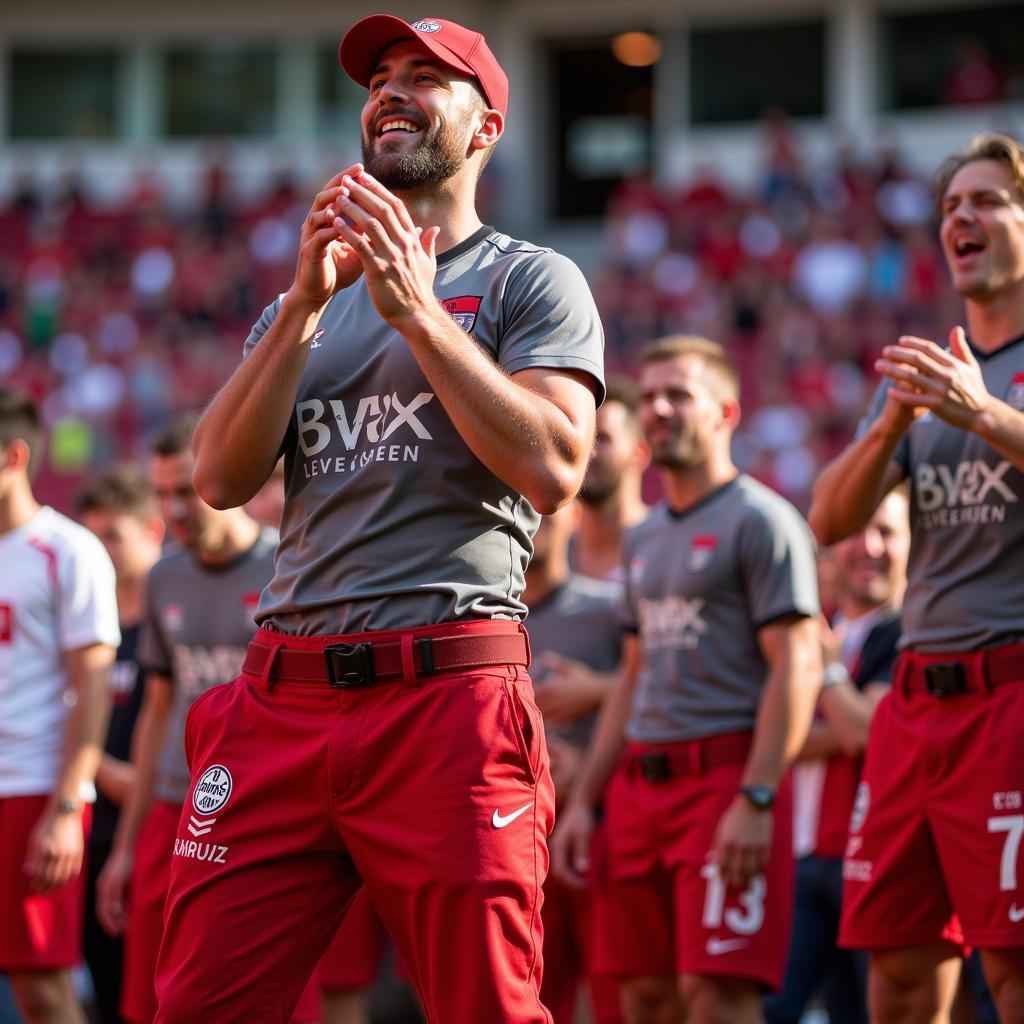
1016,914
317,334
716,947
498,821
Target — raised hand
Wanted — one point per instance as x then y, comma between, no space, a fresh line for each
924,376
326,262
398,259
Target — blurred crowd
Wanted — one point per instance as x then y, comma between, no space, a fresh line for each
804,277
114,317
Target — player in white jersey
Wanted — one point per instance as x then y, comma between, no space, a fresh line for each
58,635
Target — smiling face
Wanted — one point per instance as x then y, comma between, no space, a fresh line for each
419,119
982,230
685,411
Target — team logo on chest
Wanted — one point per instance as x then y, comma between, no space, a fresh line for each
702,551
174,617
1015,394
463,310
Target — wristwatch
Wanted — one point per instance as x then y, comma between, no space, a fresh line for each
762,797
835,673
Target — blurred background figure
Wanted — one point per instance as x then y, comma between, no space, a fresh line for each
859,648
610,499
119,506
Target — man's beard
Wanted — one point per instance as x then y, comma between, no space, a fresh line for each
434,160
597,489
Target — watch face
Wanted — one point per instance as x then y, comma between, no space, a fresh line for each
760,796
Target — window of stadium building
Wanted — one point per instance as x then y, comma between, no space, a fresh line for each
961,57
220,90
339,100
60,94
737,73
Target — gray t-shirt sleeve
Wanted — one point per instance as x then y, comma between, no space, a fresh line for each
901,456
267,317
777,553
550,319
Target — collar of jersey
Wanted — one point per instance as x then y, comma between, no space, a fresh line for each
982,356
464,246
709,497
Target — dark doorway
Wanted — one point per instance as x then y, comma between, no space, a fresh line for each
601,113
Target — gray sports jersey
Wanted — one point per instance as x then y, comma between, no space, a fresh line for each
700,585
965,584
390,520
199,620
579,620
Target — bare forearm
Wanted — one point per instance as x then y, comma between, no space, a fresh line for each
86,723
850,488
115,778
1002,427
238,438
608,739
849,712
530,442
787,705
150,734
821,742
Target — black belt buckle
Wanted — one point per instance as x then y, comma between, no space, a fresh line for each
655,767
946,680
349,664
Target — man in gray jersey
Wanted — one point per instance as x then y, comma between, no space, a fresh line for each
431,384
940,808
197,621
573,619
715,701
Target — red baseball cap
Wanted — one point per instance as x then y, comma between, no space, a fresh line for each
457,47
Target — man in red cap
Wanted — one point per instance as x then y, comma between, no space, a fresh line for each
432,386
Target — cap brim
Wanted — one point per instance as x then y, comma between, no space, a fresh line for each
366,40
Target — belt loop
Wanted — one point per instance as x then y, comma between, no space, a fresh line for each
268,666
901,675
980,660
526,638
408,664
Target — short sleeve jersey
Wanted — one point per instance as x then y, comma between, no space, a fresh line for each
578,620
965,588
57,594
199,621
390,520
700,585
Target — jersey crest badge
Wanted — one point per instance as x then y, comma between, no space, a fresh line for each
463,310
702,550
1015,395
174,618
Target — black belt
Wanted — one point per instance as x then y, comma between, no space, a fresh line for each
948,675
361,663
691,757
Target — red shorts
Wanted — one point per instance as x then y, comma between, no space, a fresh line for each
40,932
568,956
147,900
432,790
940,811
354,955
661,908
147,896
